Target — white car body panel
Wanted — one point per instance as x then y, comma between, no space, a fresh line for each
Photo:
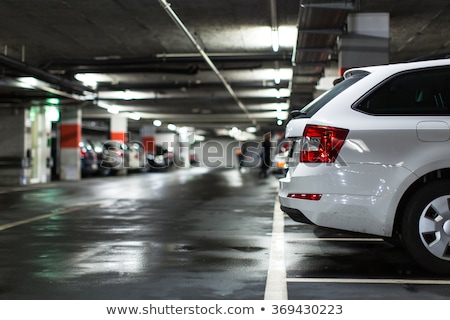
381,158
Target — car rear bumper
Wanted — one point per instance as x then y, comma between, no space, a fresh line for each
296,215
358,197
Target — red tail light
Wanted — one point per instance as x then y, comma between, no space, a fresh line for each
305,196
321,143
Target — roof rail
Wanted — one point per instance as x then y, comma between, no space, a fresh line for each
437,56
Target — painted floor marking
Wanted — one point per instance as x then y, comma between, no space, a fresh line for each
369,281
336,239
357,280
40,217
276,286
101,204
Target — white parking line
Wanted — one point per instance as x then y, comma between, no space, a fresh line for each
24,188
357,280
336,239
369,281
40,217
276,286
61,211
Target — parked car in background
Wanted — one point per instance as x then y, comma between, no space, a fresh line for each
88,157
280,160
372,155
137,157
161,159
112,156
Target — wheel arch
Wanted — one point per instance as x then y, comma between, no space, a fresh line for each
435,175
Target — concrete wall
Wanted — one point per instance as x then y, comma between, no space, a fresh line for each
15,140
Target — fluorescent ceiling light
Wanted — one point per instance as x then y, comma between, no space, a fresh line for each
87,80
113,109
275,40
276,76
134,116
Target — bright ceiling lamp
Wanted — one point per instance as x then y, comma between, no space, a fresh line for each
287,36
127,95
157,123
109,107
134,116
52,113
199,138
275,40
113,109
274,22
103,105
29,81
276,76
241,135
87,80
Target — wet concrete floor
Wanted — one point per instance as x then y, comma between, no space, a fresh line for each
193,233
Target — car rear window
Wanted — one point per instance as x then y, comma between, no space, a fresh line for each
419,92
310,109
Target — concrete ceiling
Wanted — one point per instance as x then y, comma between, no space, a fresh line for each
204,64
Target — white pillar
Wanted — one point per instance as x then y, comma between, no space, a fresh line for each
367,41
41,145
119,132
186,138
118,128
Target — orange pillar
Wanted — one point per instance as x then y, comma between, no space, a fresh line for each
118,128
148,139
70,137
119,133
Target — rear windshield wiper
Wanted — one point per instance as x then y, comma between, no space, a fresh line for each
298,114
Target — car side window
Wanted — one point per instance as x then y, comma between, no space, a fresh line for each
424,92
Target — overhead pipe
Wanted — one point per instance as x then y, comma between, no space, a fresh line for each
42,75
161,63
160,58
176,19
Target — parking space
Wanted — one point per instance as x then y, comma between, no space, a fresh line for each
331,264
188,234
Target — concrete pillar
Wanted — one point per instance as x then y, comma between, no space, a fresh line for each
118,128
186,138
70,137
15,159
367,41
148,139
40,145
119,132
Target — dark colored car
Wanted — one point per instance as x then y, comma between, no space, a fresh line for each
88,157
160,159
112,156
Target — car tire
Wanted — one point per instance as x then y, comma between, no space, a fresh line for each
104,171
426,226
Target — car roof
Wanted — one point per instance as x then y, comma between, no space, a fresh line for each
397,67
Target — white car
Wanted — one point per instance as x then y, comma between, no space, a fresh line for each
372,155
137,158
